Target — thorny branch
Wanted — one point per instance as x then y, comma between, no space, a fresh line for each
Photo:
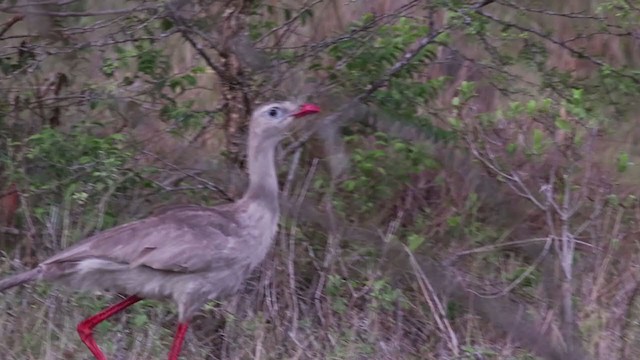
293,19
562,44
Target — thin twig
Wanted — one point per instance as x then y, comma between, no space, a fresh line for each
6,26
435,304
10,230
493,247
289,22
208,184
522,276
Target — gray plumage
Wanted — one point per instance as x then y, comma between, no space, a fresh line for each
189,253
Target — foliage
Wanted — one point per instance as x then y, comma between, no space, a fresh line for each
382,165
55,156
363,60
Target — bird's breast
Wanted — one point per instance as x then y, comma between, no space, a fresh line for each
260,241
260,230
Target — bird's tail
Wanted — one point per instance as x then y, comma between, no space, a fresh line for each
19,279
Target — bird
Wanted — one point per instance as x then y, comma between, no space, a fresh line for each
189,254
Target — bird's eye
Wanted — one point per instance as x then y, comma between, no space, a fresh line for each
274,112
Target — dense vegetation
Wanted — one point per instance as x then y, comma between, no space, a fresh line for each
470,191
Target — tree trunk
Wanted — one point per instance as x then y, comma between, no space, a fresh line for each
235,94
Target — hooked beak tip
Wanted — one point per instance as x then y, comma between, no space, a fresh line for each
306,109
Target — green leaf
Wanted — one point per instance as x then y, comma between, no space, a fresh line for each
538,137
349,185
623,162
467,89
108,67
140,320
563,124
577,94
174,84
367,18
376,154
190,80
455,122
198,70
454,221
399,146
414,241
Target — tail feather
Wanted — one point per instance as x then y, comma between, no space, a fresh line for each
19,279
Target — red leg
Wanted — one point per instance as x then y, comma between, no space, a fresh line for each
85,328
178,340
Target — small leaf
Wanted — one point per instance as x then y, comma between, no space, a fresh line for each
367,18
414,241
349,185
198,70
174,84
623,162
455,122
563,124
576,94
399,146
140,320
538,136
467,89
190,80
454,221
376,154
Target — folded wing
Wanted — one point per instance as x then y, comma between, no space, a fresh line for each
187,239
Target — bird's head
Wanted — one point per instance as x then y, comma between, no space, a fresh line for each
273,120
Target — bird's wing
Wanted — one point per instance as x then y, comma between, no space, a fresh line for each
185,239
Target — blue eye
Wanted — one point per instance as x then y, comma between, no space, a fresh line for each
274,112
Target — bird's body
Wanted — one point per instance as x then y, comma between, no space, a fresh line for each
187,253
208,259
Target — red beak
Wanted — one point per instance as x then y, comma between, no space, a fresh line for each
306,109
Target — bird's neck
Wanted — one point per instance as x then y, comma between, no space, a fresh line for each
263,181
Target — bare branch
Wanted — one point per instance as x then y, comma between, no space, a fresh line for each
6,26
141,8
